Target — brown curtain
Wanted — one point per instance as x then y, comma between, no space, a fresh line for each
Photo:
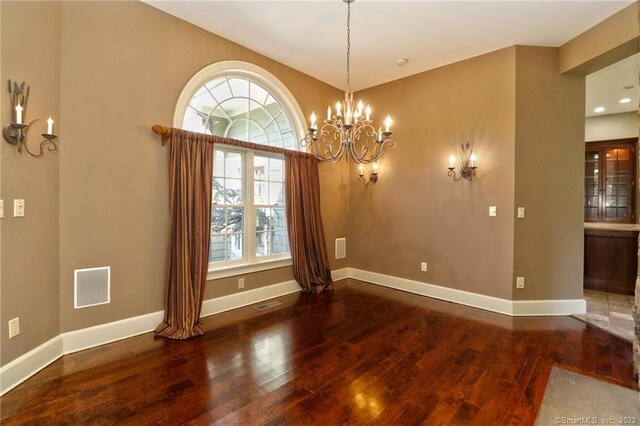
306,233
190,171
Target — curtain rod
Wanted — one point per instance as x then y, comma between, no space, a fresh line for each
166,132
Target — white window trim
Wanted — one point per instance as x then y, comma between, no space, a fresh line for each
249,234
245,70
231,271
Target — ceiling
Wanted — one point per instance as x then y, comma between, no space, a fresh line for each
605,88
310,36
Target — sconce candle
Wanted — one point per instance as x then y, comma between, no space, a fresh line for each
329,113
368,112
50,126
472,159
19,114
452,160
338,108
387,123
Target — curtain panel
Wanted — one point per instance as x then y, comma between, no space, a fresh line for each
190,185
190,182
304,222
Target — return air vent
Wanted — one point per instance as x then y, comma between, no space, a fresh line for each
341,248
91,286
267,305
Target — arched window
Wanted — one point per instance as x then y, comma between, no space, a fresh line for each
242,101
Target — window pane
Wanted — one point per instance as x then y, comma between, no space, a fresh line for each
258,93
218,191
235,219
276,193
233,191
239,87
235,246
279,219
216,251
218,221
263,219
276,167
280,241
257,134
219,88
233,165
260,167
218,163
260,193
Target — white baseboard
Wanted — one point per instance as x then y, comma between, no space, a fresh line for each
25,366
488,303
35,360
90,337
20,369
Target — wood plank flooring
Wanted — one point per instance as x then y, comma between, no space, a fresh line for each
362,354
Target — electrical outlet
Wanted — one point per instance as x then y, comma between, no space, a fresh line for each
520,283
14,327
493,212
240,282
423,266
520,212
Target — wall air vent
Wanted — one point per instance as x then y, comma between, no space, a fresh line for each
92,286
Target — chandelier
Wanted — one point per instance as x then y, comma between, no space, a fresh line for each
350,131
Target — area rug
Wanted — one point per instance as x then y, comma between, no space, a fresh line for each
572,398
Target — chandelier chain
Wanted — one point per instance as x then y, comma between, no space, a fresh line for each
348,46
349,133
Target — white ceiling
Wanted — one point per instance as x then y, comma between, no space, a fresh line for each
310,36
606,87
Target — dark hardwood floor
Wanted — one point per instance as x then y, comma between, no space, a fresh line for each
360,354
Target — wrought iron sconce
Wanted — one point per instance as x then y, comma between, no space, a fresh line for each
16,132
467,164
373,174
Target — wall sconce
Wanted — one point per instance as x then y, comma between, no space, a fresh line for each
16,132
373,174
467,164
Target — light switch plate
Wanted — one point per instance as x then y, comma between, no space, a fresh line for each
18,208
492,211
520,212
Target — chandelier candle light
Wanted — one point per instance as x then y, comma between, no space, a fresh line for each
348,134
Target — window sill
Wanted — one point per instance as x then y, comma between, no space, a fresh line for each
246,268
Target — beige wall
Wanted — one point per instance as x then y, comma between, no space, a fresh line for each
609,41
120,68
29,279
415,212
123,68
612,126
549,164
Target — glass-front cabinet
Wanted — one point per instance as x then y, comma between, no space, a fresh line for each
609,181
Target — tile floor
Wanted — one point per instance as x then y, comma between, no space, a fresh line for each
610,311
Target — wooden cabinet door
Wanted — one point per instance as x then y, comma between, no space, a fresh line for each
609,181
